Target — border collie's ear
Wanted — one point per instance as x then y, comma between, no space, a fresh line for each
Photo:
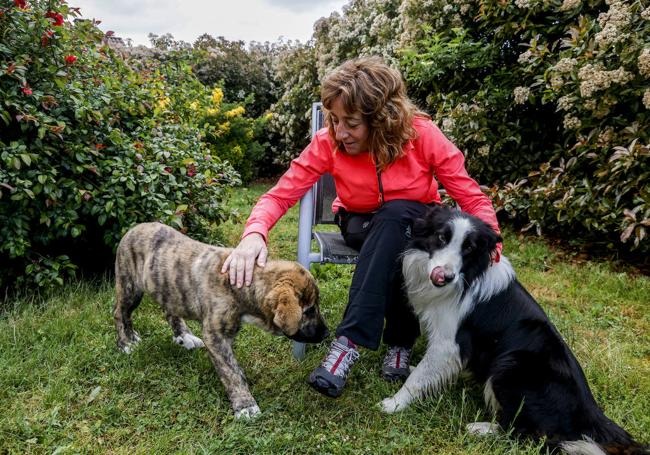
424,226
492,243
419,227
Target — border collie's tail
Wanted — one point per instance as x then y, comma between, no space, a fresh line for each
588,446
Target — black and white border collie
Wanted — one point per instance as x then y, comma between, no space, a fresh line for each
478,317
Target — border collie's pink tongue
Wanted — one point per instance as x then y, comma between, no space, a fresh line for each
438,276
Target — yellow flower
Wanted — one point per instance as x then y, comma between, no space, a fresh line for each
224,127
217,96
212,111
239,110
194,105
164,102
268,116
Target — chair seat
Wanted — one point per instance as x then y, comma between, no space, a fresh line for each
333,249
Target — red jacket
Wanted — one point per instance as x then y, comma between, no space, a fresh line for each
428,157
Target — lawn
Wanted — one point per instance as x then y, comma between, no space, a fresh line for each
65,388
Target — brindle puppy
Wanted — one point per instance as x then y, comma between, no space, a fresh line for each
184,277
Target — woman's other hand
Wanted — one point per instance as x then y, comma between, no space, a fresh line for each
239,265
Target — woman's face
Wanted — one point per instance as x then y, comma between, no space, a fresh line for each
351,130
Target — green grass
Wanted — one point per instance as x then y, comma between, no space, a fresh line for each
65,388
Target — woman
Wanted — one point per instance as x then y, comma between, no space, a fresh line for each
385,156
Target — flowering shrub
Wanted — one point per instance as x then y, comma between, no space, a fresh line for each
289,118
226,129
245,74
548,99
89,147
370,27
365,28
550,96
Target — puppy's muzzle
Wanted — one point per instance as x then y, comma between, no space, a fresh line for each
312,331
440,277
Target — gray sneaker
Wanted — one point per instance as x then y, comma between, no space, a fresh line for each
329,378
396,364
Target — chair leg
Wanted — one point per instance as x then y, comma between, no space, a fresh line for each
299,350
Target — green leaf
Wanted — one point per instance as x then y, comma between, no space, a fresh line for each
26,158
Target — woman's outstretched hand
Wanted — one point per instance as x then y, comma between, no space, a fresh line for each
239,265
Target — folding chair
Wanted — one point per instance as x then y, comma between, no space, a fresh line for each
315,209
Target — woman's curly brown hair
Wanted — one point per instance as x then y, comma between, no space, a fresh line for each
369,86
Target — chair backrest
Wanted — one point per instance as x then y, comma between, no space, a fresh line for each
325,189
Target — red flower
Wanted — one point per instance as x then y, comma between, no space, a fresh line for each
70,59
168,170
27,89
57,18
45,39
191,170
20,3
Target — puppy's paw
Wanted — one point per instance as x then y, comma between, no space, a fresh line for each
189,341
128,346
482,428
391,405
248,413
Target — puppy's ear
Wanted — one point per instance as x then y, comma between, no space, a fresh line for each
287,312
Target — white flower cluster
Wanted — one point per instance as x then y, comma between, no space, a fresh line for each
565,103
525,57
571,123
590,104
605,137
611,23
568,5
448,125
594,79
484,150
610,34
645,14
521,94
644,62
565,65
524,4
557,81
618,14
646,99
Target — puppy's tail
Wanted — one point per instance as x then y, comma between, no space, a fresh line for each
588,446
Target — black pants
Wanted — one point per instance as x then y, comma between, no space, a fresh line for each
377,284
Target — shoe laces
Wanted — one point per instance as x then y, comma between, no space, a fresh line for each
397,357
340,359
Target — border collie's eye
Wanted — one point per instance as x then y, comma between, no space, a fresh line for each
441,238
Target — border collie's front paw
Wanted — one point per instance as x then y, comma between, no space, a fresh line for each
482,428
390,405
248,413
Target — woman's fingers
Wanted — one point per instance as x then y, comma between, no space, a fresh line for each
240,263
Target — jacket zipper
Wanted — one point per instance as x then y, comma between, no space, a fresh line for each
381,188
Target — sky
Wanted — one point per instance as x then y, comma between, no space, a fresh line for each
246,20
